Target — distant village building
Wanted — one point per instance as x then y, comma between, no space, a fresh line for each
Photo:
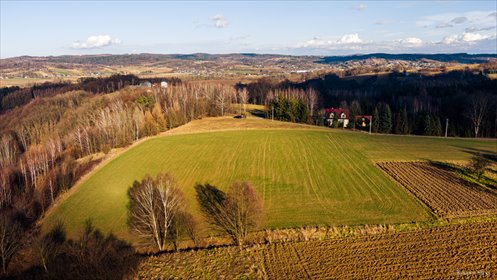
338,114
163,84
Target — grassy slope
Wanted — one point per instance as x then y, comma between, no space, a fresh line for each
306,176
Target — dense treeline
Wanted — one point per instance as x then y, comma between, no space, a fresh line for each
47,144
292,105
418,104
11,97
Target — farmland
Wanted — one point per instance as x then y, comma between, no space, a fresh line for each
306,175
446,193
454,251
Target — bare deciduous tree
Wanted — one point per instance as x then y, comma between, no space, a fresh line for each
8,150
152,208
221,99
312,98
50,245
235,212
10,241
478,109
183,224
478,164
243,98
5,187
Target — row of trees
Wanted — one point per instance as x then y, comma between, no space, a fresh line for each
157,211
400,123
418,104
292,105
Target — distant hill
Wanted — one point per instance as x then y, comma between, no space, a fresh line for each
454,57
131,59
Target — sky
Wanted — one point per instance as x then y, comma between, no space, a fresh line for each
42,28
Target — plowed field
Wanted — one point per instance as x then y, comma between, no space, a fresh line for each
443,191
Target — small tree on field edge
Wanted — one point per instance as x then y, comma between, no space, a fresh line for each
235,213
478,164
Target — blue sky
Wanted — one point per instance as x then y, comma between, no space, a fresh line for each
287,27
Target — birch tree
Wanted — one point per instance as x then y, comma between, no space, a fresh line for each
478,108
8,151
221,99
243,98
152,208
312,98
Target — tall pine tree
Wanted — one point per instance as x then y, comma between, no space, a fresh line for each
427,125
437,126
376,120
386,120
401,122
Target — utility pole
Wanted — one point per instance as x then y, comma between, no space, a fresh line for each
370,124
446,126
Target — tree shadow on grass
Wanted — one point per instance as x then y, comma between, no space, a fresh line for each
465,175
491,156
258,113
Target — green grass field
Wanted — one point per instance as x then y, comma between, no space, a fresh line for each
306,176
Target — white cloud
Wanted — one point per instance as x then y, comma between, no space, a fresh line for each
350,39
352,43
471,37
220,21
97,41
347,41
360,7
411,42
465,38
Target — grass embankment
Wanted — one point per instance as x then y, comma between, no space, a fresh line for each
306,175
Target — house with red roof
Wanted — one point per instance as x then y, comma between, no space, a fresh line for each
339,115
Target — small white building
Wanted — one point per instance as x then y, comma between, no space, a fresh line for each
163,84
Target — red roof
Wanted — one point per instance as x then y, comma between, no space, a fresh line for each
337,111
369,117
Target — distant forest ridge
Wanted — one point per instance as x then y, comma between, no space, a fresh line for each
457,57
120,59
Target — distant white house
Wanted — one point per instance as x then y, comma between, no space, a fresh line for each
163,84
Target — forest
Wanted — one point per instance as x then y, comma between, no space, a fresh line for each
400,103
